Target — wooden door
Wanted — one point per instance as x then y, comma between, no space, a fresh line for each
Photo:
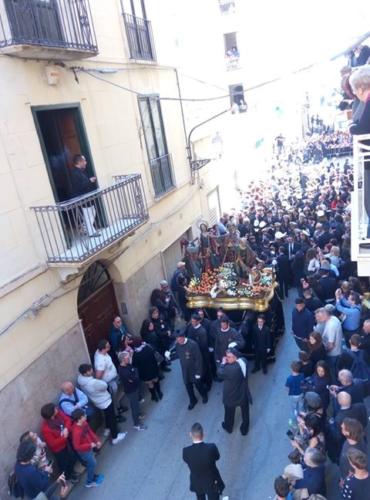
97,314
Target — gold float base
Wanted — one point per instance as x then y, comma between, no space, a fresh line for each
229,303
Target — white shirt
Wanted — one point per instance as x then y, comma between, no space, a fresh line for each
333,334
104,363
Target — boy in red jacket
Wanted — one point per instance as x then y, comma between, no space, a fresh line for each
84,441
55,429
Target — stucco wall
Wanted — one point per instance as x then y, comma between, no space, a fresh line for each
22,398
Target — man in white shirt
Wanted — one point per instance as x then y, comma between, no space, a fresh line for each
105,370
331,335
97,390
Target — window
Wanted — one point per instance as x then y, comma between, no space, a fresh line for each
237,99
231,50
138,30
155,138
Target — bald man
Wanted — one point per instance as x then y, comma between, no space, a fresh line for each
71,398
347,409
344,409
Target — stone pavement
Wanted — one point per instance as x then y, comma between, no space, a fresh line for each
148,465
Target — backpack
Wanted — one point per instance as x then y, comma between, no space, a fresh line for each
15,490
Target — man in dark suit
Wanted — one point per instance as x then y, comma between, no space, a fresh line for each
205,479
291,247
82,184
284,272
234,372
191,366
261,336
195,331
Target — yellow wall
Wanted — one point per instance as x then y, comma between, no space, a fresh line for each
115,136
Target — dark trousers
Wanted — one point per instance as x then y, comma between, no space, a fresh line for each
230,417
66,461
260,358
212,364
207,373
283,287
208,496
110,420
133,398
190,390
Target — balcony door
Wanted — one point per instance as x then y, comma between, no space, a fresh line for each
62,136
34,21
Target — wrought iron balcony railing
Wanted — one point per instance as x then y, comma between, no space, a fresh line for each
162,175
139,37
227,6
35,28
74,231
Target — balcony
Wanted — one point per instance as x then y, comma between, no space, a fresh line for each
232,58
139,37
227,6
360,205
47,29
111,213
162,175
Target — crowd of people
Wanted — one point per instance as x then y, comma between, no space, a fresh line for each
328,144
298,224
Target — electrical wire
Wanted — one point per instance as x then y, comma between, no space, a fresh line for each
302,69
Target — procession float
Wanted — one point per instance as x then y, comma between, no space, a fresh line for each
226,273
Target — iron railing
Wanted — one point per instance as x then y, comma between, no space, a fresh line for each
162,175
227,6
232,62
139,37
47,23
360,205
75,230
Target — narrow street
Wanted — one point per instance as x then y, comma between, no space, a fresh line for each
148,465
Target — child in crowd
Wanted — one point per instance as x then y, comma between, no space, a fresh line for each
293,384
85,442
40,459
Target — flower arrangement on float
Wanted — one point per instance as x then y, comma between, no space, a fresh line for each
225,282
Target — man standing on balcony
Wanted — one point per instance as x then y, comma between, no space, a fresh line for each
82,184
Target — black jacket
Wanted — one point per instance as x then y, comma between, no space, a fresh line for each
284,272
199,335
236,389
80,183
204,475
223,339
190,359
144,360
261,339
129,377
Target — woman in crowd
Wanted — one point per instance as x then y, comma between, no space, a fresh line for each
316,347
312,263
321,379
144,360
149,334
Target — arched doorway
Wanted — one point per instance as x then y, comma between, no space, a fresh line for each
97,304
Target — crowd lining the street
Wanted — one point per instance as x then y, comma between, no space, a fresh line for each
298,224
